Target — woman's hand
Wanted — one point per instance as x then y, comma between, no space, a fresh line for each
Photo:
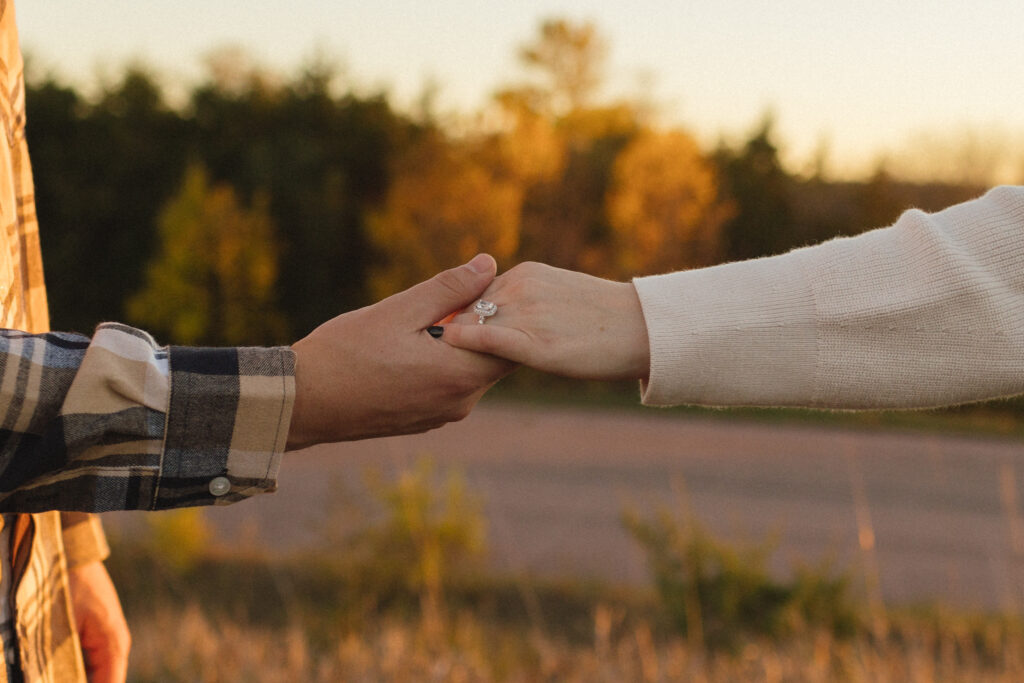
562,322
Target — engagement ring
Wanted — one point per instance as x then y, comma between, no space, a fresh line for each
484,309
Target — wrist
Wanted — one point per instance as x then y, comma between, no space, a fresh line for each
637,350
298,433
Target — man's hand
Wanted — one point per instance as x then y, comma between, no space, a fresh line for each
101,625
378,372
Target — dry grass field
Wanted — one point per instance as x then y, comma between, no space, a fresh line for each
185,645
548,556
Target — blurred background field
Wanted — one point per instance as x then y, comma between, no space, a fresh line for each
254,205
590,543
558,533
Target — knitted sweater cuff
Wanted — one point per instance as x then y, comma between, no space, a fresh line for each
711,331
928,312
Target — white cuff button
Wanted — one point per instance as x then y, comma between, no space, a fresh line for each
219,486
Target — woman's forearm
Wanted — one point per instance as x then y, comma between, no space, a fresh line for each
927,312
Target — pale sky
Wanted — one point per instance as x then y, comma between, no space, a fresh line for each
858,75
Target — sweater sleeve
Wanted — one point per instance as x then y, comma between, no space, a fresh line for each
117,422
927,312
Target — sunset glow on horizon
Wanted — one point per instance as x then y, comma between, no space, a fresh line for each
858,80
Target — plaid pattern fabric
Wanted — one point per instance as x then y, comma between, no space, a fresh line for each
112,422
117,422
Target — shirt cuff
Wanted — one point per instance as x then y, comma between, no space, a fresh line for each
227,424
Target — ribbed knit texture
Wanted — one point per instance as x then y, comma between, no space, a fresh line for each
927,312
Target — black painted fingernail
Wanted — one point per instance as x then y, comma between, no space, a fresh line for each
435,331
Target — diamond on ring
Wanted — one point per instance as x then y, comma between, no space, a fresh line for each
484,309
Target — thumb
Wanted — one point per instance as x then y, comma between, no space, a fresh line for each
448,291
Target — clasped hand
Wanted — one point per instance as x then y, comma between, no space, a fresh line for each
562,322
378,372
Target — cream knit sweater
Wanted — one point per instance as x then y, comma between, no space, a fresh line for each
927,312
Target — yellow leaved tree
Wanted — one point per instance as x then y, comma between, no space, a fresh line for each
212,281
663,205
445,205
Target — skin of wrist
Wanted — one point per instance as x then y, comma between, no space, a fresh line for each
296,436
637,345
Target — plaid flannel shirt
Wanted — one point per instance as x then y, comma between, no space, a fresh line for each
118,423
112,422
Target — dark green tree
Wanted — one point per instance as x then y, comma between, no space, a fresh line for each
324,160
102,171
105,166
762,195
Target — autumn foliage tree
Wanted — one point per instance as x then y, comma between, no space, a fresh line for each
103,168
664,205
445,206
569,61
367,199
212,281
626,197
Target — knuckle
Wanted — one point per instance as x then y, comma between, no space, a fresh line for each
530,267
422,424
539,271
519,271
461,410
466,386
528,288
451,390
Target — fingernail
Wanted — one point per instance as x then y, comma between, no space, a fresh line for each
481,263
435,331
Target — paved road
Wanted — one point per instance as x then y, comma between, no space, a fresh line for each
941,510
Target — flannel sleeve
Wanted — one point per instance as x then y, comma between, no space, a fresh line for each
117,422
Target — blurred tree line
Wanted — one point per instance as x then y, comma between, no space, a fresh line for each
261,207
